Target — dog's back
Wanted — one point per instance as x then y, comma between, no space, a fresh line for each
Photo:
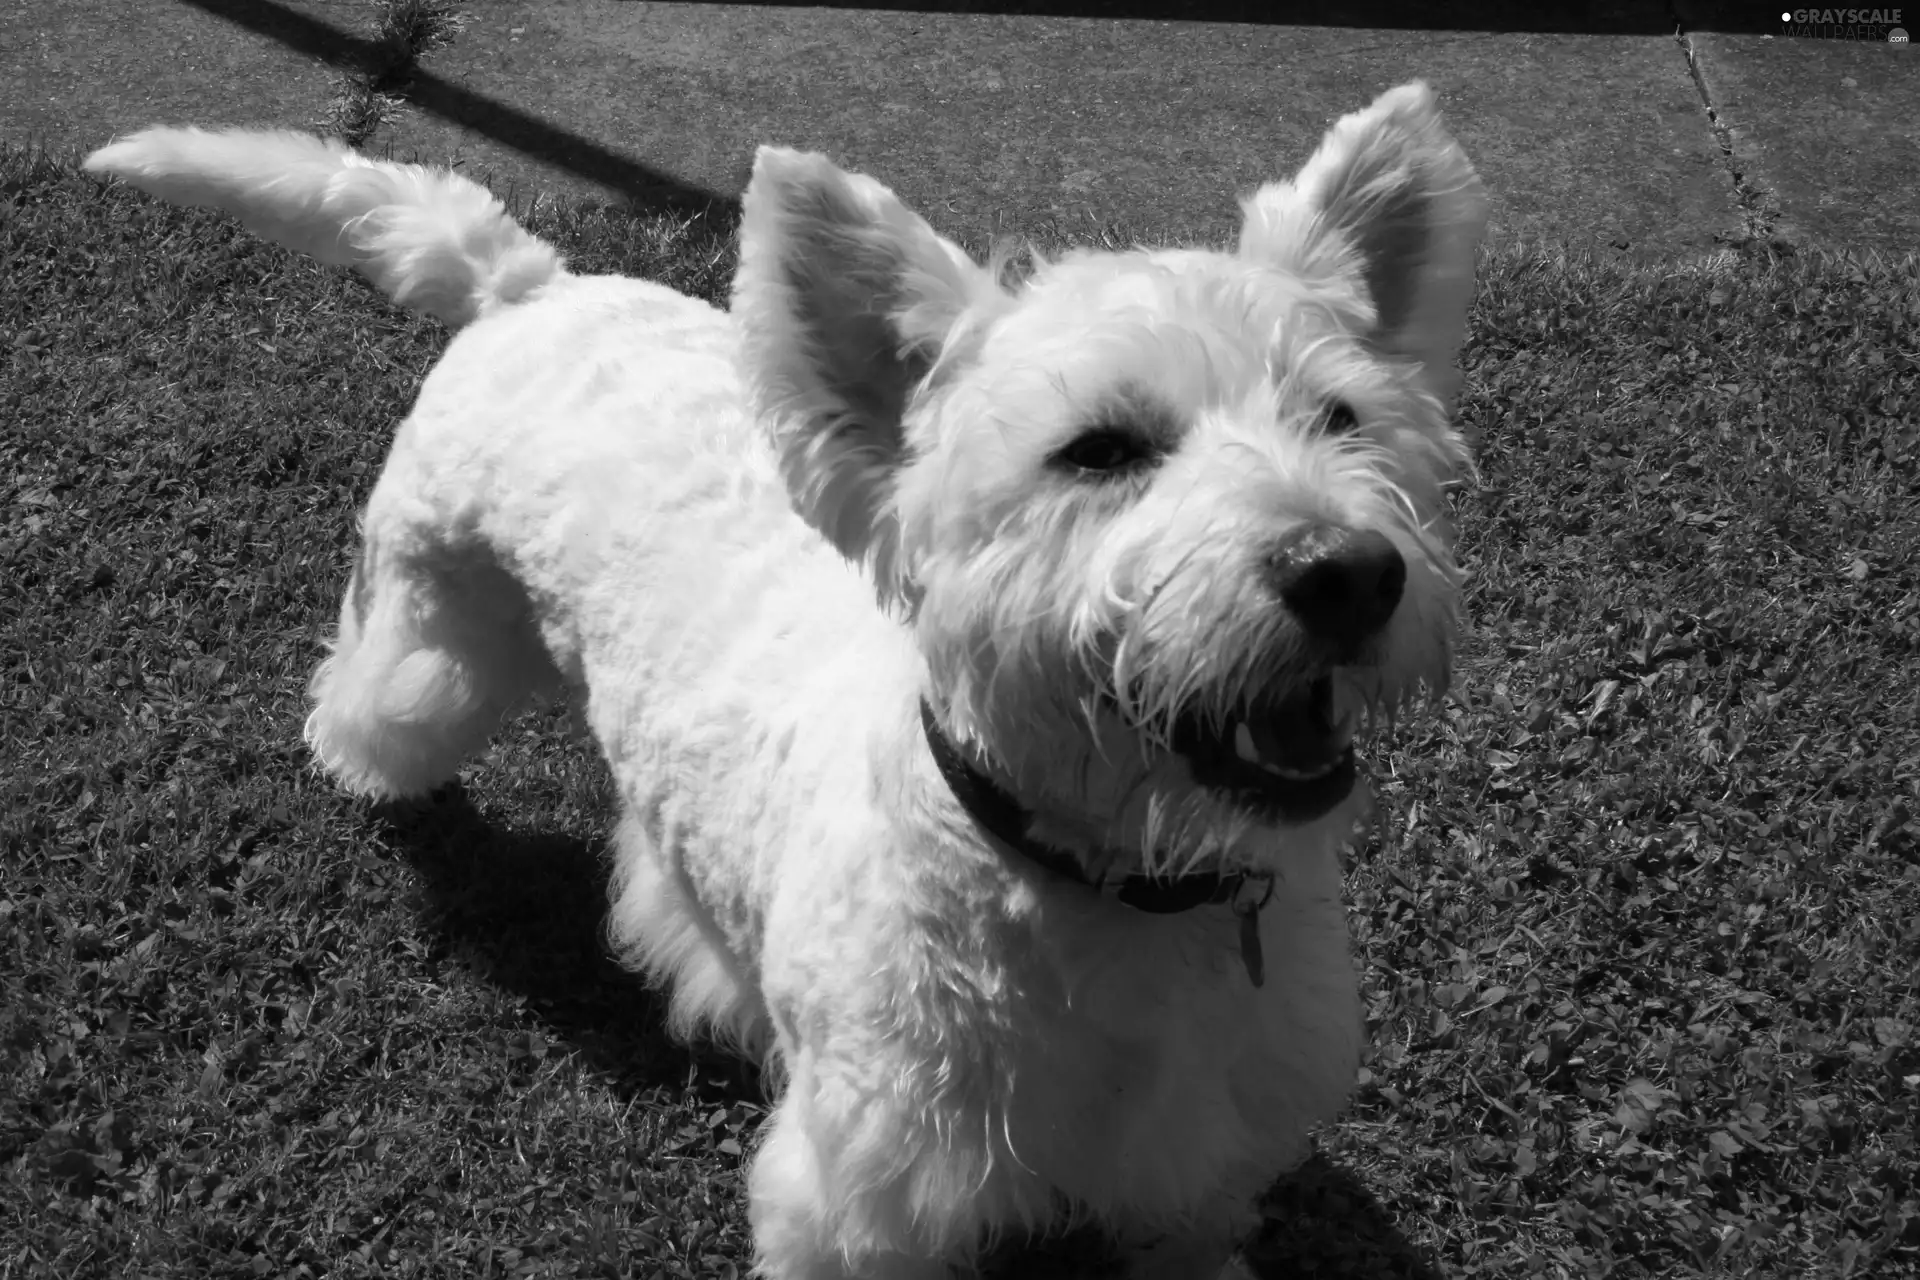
429,238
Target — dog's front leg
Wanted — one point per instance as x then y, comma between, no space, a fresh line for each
804,1227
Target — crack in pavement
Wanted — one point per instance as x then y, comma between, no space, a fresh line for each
1759,209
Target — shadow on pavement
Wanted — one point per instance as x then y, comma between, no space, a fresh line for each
646,188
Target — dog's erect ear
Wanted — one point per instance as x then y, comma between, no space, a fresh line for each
845,299
1389,194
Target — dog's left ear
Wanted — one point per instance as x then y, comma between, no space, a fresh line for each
1389,195
845,300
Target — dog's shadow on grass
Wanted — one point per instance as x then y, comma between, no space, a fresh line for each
526,912
1321,1221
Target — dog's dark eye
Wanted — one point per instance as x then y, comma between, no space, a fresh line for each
1341,418
1106,451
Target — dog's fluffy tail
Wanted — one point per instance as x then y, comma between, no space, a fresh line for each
428,237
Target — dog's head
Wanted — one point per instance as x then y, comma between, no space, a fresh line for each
1169,525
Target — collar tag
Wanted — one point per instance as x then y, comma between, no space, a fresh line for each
1250,947
1246,904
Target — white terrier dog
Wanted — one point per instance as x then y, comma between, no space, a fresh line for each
1026,875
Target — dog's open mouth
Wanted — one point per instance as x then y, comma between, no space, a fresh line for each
1289,760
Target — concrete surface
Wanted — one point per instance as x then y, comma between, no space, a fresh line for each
991,122
75,72
1593,125
1826,131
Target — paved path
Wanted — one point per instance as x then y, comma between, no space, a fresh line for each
1598,126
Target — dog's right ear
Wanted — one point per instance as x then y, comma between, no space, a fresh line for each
845,299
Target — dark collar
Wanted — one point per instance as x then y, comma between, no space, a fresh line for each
1004,818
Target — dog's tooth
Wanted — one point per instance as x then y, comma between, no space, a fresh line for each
1243,743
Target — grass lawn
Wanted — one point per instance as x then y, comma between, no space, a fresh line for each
1639,931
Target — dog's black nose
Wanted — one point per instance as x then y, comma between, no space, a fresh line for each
1342,584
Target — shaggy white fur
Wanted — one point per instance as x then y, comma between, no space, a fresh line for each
1150,533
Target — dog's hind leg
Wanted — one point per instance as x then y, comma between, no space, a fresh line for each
435,648
659,926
